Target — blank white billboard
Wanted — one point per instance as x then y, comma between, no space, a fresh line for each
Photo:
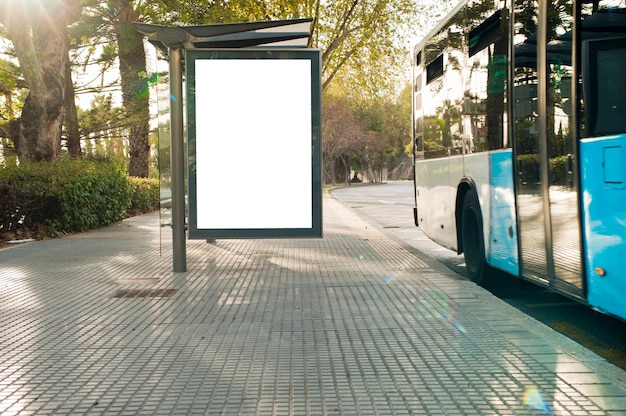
253,144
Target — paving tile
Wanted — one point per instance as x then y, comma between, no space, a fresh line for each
349,324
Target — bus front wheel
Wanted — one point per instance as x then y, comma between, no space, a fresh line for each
473,241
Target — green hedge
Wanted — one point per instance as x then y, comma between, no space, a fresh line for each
145,195
66,195
528,166
559,170
529,169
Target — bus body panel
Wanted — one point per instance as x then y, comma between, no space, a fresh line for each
603,180
435,197
492,175
502,251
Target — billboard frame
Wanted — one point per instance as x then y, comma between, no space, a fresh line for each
307,224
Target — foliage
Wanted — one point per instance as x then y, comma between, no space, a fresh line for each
559,171
362,42
41,50
11,85
366,135
145,195
67,195
528,166
102,129
390,118
101,116
558,166
345,137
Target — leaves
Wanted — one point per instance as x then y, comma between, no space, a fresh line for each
366,134
66,194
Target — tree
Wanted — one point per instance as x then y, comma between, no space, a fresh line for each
135,93
71,114
388,121
366,135
37,31
343,134
113,20
101,119
11,88
397,134
10,84
360,37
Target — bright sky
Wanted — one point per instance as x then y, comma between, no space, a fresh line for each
425,23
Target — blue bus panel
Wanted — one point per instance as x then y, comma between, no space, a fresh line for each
502,250
603,185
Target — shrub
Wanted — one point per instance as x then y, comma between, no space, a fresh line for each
559,170
66,195
558,166
145,195
528,166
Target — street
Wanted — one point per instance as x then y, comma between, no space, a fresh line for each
390,206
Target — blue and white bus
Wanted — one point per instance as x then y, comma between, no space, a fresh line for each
519,126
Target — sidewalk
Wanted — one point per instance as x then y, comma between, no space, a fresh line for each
351,324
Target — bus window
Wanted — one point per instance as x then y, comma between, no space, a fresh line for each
485,34
484,104
604,85
602,37
443,92
434,69
431,139
418,140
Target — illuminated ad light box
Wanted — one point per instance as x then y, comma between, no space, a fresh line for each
254,143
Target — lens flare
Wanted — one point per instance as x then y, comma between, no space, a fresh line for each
534,400
433,305
388,279
456,324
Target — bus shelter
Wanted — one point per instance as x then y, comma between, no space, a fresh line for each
251,111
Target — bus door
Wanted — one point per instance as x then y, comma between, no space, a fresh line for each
603,153
545,134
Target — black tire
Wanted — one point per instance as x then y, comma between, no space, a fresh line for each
473,241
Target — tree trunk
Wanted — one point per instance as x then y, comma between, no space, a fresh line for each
40,48
39,135
71,116
135,93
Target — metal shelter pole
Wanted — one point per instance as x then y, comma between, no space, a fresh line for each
178,161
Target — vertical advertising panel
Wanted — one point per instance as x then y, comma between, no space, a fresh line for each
254,135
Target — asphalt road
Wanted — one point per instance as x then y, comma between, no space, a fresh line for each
390,206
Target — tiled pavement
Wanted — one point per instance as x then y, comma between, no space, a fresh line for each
351,324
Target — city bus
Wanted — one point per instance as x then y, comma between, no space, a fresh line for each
519,142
